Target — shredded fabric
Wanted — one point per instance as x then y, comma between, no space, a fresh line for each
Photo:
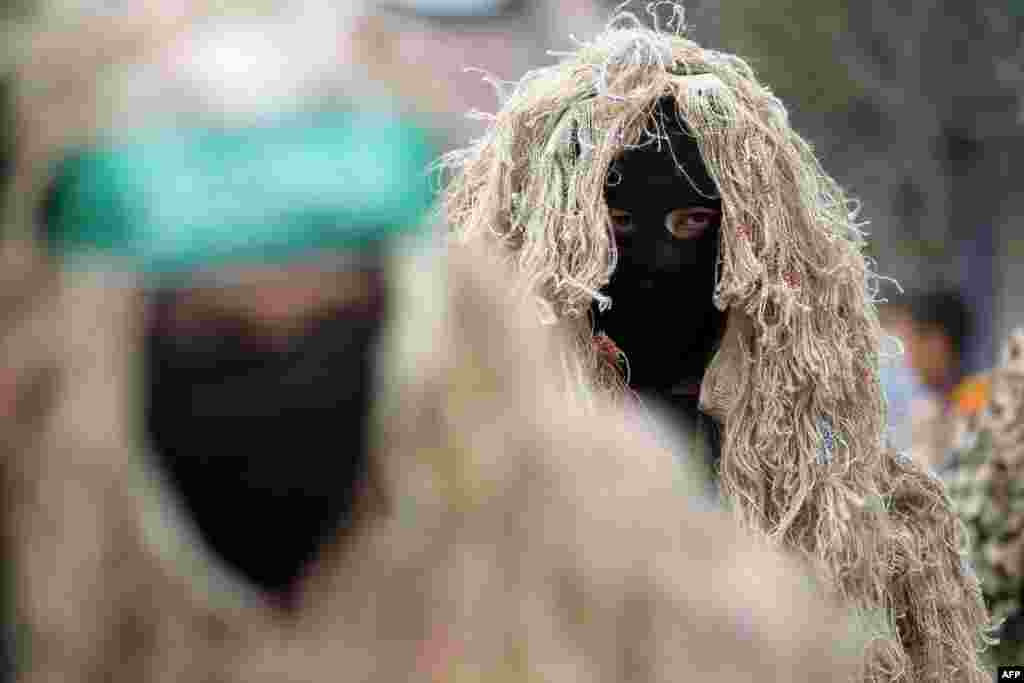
803,337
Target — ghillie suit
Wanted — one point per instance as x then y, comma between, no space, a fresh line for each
476,547
794,383
483,550
987,487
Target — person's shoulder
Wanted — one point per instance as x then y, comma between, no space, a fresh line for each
971,394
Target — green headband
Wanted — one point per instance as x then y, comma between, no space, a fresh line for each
199,198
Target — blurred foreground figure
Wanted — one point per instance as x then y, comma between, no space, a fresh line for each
987,486
477,545
662,213
258,433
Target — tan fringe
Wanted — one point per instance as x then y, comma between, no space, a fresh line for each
803,460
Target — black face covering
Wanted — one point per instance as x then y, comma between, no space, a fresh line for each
265,446
662,314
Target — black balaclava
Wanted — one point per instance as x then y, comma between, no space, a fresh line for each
265,446
662,315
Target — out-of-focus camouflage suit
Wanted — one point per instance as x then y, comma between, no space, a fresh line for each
502,538
987,485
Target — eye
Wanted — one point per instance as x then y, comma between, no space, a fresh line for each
622,221
688,224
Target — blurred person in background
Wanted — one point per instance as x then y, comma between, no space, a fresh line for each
903,389
660,210
925,386
933,326
226,315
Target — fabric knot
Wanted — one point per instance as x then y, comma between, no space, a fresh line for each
903,458
967,568
828,441
515,204
792,278
745,232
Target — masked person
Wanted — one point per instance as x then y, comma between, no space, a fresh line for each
920,385
645,190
